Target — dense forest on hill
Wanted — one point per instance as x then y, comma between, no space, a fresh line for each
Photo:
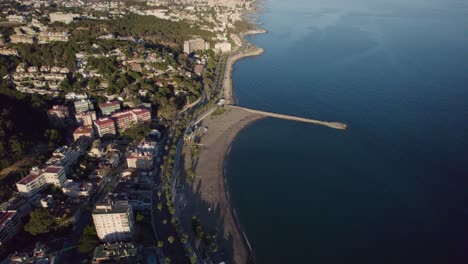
164,30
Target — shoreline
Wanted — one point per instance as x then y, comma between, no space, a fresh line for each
208,196
245,51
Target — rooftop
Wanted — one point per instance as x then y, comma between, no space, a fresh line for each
83,130
125,114
53,169
5,216
109,104
140,111
118,250
104,121
114,204
29,178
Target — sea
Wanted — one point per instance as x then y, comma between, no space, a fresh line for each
393,187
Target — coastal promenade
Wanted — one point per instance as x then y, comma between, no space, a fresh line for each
335,125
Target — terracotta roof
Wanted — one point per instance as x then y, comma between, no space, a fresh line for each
29,178
108,104
53,169
83,130
120,115
103,121
141,111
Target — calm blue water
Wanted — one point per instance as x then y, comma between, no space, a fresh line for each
393,188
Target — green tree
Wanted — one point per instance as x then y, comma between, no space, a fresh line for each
190,175
139,217
41,222
171,239
89,240
184,238
160,244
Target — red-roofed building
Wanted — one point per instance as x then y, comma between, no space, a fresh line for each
109,107
55,175
124,120
37,180
199,69
58,115
31,184
83,132
142,114
104,126
10,225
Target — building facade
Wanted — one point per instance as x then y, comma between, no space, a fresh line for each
124,120
223,47
38,179
83,105
195,45
142,114
109,107
10,225
114,220
85,118
83,132
104,126
65,18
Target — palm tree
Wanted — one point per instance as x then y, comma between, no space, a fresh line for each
170,239
160,244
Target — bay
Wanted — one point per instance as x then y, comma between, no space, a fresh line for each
393,188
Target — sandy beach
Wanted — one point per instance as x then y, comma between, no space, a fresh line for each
207,196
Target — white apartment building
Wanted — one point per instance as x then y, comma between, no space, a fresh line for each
195,44
223,47
114,220
62,17
17,18
38,179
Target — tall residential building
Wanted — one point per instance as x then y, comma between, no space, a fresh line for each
104,126
124,120
85,118
38,179
142,114
10,225
109,107
58,115
195,44
113,219
83,105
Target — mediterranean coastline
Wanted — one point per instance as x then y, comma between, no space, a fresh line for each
208,196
